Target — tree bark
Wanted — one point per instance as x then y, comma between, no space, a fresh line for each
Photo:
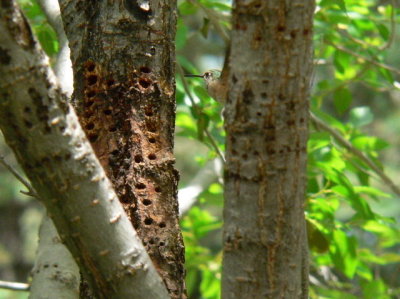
266,119
44,133
123,58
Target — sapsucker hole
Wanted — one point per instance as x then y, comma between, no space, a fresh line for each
138,158
148,221
114,152
152,140
89,126
151,241
89,103
157,189
92,79
147,202
90,66
88,114
107,111
140,186
93,137
112,129
28,124
152,50
110,82
148,112
145,69
161,243
145,83
152,156
91,93
27,109
162,224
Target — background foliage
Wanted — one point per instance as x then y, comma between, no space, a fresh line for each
352,209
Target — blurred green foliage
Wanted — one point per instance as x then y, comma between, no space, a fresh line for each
352,226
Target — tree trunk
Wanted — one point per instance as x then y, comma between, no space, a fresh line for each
44,133
123,57
266,119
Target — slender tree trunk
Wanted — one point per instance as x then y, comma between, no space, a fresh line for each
123,57
265,244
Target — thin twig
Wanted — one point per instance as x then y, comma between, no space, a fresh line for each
370,60
197,109
15,286
345,143
214,18
31,191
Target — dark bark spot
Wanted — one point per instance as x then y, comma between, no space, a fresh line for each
306,31
93,137
140,186
234,79
145,69
5,58
27,110
41,109
281,97
138,159
107,112
91,93
145,83
89,126
90,66
114,152
248,95
112,129
28,124
148,221
92,79
147,202
281,28
148,111
110,82
293,34
89,103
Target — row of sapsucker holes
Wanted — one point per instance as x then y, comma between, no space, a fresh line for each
92,80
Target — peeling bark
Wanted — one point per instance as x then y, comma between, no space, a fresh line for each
266,114
124,94
44,133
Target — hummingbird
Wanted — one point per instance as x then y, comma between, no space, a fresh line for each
215,84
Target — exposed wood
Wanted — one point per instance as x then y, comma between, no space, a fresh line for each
123,57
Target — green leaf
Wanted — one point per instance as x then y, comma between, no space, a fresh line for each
181,35
361,116
342,99
187,8
384,31
343,253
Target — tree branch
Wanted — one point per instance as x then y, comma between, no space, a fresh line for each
319,124
14,286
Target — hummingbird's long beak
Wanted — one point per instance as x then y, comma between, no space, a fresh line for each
196,76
